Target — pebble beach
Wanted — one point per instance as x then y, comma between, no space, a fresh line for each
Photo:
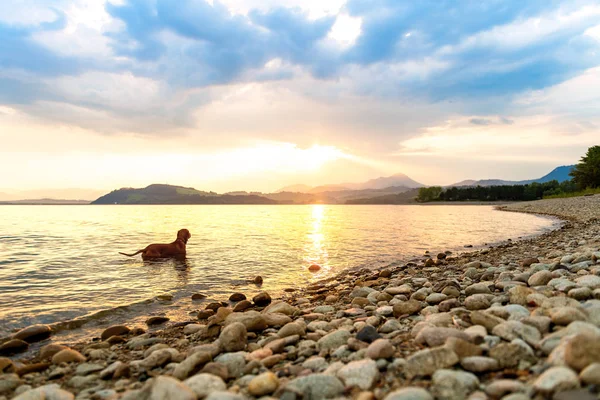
517,320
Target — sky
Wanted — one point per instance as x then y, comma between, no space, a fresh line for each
259,94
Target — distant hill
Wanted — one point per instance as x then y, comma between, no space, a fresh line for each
72,194
168,194
397,180
407,197
560,174
46,202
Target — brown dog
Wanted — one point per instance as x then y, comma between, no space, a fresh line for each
175,249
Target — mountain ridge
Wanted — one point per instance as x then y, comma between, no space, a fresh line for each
560,174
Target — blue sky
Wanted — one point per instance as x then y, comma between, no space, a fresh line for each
440,90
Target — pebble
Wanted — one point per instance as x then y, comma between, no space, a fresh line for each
363,374
479,364
262,299
591,374
407,308
368,334
203,384
426,362
234,337
316,386
453,385
46,392
33,333
167,388
381,348
263,384
333,340
556,379
13,346
66,356
409,393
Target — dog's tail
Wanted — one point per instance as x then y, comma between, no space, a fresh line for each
131,255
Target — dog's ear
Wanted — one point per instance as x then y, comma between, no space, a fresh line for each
189,235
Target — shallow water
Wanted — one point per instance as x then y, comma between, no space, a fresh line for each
58,263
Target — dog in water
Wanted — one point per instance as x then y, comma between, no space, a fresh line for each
159,250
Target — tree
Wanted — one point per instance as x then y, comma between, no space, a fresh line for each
586,174
429,193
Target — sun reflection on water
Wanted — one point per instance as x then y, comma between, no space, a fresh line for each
316,247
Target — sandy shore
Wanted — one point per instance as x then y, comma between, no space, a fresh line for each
517,321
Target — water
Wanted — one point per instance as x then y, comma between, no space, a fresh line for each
59,263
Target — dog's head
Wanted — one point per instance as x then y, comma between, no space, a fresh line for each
184,235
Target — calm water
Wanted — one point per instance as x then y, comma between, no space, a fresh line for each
58,263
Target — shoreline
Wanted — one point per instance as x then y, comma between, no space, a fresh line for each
425,315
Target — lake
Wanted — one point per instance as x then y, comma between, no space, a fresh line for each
59,263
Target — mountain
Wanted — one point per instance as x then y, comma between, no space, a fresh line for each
560,174
295,189
397,180
384,182
168,194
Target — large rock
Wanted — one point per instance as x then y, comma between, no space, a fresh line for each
316,386
234,337
9,382
556,379
204,384
33,333
453,385
582,350
363,374
115,330
426,362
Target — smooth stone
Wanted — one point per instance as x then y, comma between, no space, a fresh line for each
381,348
479,364
252,320
9,382
235,297
426,362
262,299
203,384
333,340
50,349
391,325
263,384
235,362
477,288
510,355
453,385
13,346
477,302
363,374
33,333
589,281
234,337
510,330
437,336
463,348
540,278
591,374
167,388
316,386
281,307
115,330
192,364
486,320
409,393
502,387
46,392
368,334
291,329
407,308
87,368
190,329
67,356
156,320
556,379
565,315
582,350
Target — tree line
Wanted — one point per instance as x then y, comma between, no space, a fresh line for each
585,175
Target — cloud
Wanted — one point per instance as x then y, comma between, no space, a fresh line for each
145,66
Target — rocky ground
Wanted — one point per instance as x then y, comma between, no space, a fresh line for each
517,321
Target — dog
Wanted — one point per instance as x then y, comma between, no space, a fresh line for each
167,250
